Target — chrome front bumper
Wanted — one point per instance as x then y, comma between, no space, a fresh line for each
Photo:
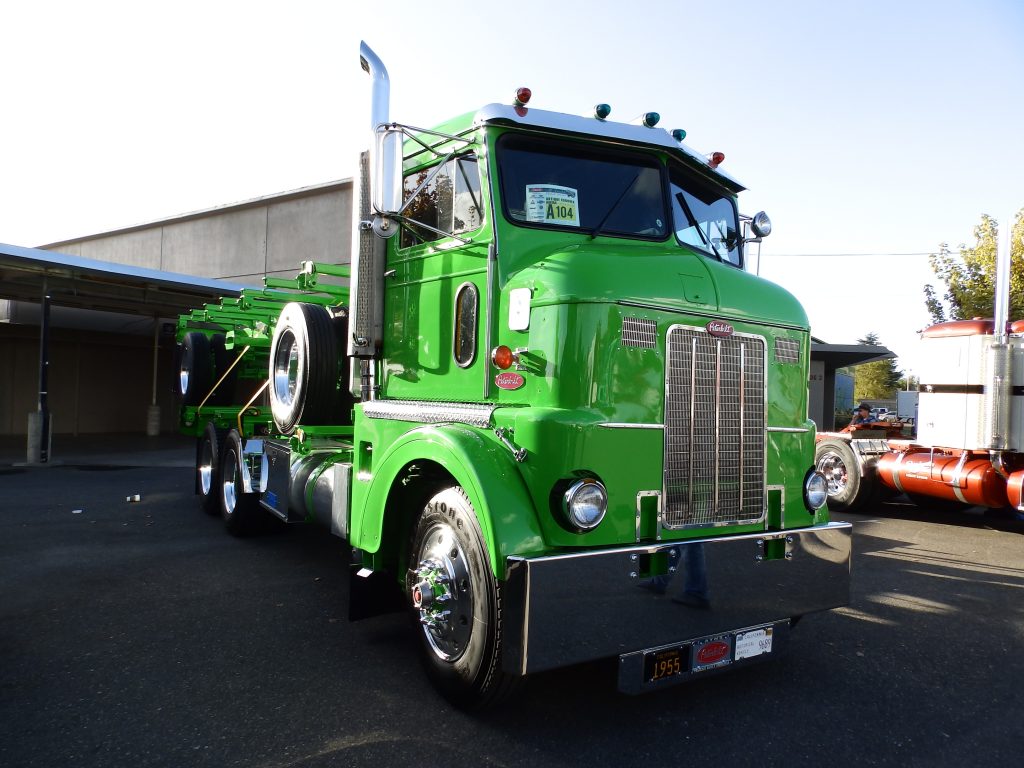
567,609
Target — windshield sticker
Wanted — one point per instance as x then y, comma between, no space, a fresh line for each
552,204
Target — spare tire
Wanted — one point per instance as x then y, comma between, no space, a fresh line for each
304,368
194,372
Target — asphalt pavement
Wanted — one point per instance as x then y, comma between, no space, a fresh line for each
138,633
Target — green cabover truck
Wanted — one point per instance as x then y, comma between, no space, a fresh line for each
547,408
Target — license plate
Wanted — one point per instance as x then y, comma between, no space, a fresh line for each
675,663
753,643
666,663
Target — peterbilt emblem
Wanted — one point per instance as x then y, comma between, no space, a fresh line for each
713,652
509,380
719,328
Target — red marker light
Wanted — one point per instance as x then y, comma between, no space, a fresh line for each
502,357
716,159
522,97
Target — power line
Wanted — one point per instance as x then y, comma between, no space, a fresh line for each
842,255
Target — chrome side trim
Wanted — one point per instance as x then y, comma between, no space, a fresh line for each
430,412
782,501
958,482
788,430
639,508
626,425
571,608
896,472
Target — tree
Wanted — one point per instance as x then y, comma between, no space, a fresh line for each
877,380
908,383
969,276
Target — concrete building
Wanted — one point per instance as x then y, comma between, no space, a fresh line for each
103,345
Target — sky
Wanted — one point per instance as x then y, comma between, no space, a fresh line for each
870,132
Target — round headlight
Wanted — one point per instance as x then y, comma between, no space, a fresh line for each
815,490
761,224
585,503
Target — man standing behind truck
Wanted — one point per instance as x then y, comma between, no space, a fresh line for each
862,415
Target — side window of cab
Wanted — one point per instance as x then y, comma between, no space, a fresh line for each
445,201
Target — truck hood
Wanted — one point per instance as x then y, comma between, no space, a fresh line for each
671,278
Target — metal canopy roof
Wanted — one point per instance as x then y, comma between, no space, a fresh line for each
842,355
73,281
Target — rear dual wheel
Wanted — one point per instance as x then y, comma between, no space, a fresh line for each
239,509
208,468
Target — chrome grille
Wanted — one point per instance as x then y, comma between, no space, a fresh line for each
714,429
638,332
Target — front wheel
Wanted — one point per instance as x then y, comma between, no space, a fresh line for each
457,603
847,490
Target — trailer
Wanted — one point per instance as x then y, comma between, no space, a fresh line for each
551,413
906,406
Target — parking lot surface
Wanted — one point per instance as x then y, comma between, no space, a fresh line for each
141,634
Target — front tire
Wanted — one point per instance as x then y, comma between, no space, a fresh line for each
847,490
457,603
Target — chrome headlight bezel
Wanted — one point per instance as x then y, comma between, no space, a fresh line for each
585,504
815,490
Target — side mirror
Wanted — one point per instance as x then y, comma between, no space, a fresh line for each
386,177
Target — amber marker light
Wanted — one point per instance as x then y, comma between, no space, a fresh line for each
502,357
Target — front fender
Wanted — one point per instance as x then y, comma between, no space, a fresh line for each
480,464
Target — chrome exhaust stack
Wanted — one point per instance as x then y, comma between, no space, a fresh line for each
368,251
998,369
380,84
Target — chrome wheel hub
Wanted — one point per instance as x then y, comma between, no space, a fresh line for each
185,369
230,472
206,468
834,470
439,588
286,369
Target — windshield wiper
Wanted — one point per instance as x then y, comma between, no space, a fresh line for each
693,220
597,230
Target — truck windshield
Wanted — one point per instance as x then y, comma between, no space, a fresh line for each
704,218
557,184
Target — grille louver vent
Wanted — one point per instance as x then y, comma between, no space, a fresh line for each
787,351
714,429
637,332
